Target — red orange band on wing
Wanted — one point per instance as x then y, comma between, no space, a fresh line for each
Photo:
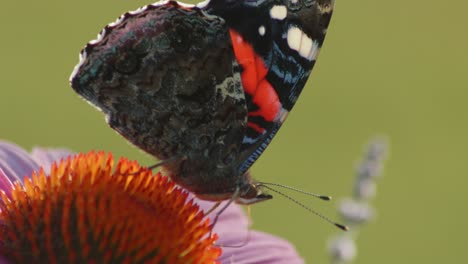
253,80
256,127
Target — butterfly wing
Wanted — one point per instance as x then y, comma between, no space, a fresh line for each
167,80
276,43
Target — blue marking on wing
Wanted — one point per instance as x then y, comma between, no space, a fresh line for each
249,140
257,149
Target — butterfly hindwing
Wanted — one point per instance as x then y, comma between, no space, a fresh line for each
167,80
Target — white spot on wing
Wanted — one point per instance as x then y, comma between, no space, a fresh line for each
261,30
306,46
160,3
100,36
138,11
118,21
294,38
279,12
83,56
303,44
314,51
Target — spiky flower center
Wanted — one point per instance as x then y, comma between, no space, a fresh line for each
86,211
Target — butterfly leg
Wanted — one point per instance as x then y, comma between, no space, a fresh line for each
216,205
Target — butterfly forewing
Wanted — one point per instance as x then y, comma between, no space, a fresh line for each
276,43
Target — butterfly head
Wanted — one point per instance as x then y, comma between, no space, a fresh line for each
246,192
252,193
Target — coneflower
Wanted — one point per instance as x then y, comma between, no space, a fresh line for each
85,209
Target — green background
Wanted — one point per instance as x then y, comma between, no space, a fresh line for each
396,68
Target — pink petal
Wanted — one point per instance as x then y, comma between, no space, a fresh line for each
232,219
46,156
5,183
4,260
261,248
233,229
15,162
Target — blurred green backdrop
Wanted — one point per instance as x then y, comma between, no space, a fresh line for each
396,68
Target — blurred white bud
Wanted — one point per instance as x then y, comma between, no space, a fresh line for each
377,149
342,249
355,212
365,189
370,169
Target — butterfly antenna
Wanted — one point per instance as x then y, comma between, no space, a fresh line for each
340,226
320,196
216,205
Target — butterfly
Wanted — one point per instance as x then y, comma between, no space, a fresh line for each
204,87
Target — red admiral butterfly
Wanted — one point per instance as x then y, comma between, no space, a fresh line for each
204,87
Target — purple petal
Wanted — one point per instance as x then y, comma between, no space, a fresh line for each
15,162
233,229
3,260
261,248
46,156
232,219
5,184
